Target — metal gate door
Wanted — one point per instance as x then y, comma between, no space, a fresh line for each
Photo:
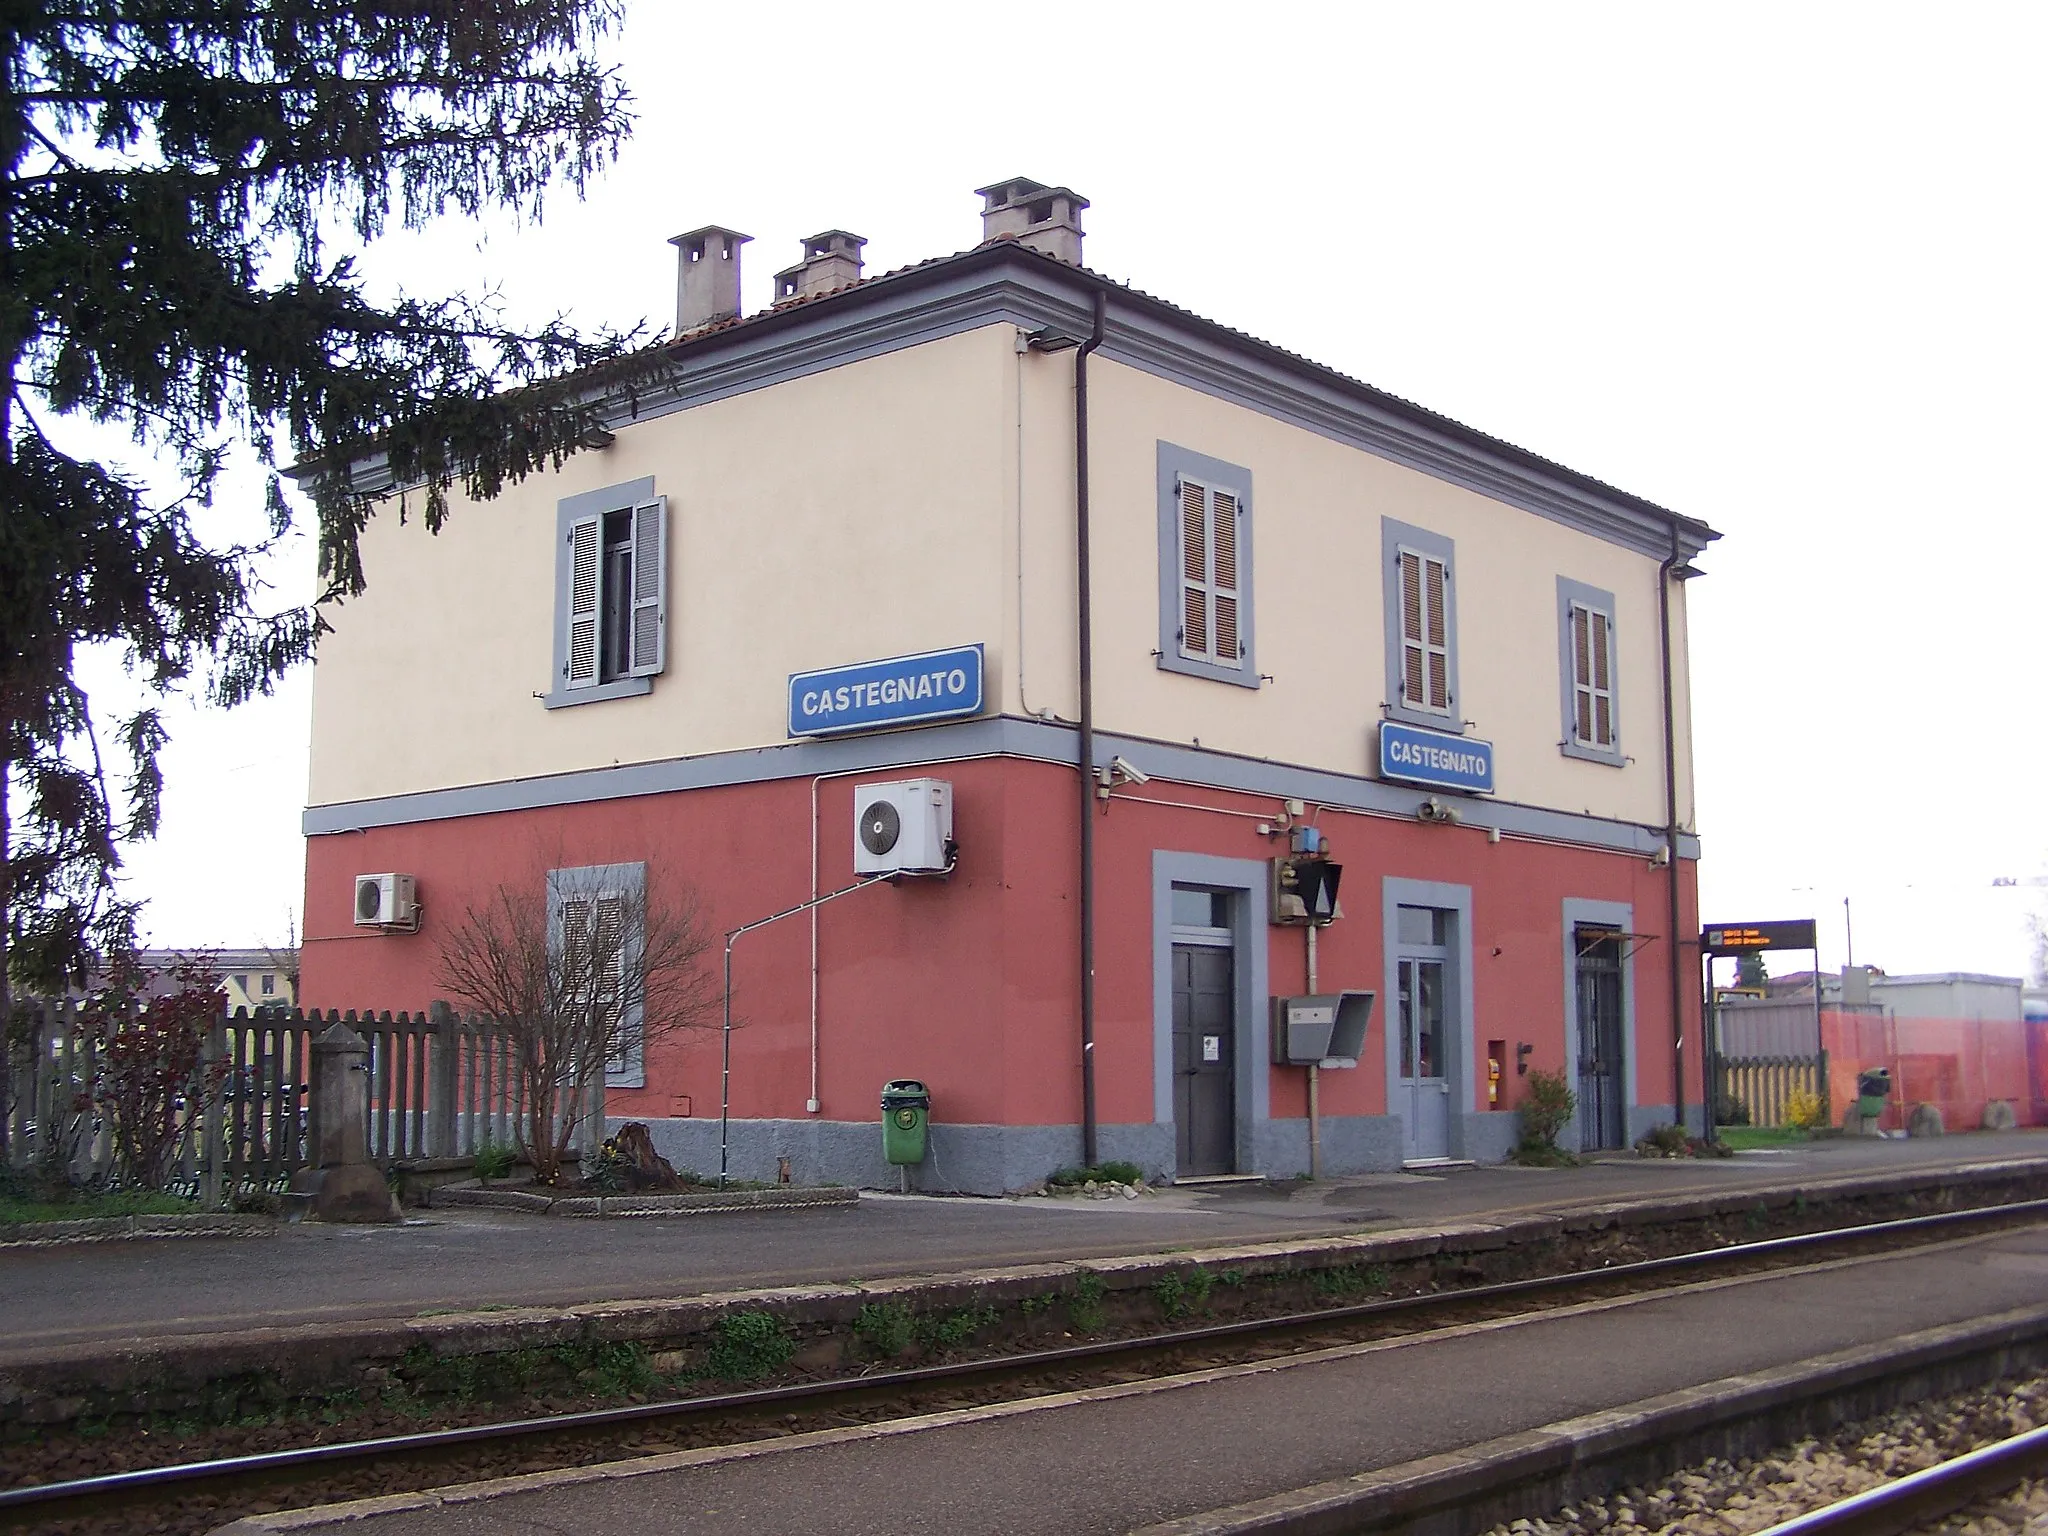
1204,1060
1603,1107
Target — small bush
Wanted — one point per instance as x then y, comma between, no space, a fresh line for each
1547,1107
1802,1109
886,1327
1084,1308
1179,1294
940,1334
1102,1173
1729,1110
494,1159
1663,1141
749,1345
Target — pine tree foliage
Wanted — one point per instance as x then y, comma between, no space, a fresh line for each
184,184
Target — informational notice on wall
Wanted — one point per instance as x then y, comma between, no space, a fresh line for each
874,695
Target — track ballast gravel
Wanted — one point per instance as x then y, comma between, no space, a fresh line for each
1742,1497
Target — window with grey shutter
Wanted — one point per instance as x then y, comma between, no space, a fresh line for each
594,934
1586,664
1419,591
1205,573
611,594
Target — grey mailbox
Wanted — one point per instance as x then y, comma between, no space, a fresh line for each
1325,1029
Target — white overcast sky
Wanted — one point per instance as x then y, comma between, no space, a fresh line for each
1779,267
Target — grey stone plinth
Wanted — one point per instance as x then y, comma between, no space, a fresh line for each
356,1192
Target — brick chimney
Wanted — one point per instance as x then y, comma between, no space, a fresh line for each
707,276
831,260
1045,218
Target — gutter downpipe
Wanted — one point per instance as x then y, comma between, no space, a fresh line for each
1675,958
1085,636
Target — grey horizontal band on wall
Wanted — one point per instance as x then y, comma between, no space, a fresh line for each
997,736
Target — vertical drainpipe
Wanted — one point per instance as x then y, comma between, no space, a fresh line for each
1674,950
1085,635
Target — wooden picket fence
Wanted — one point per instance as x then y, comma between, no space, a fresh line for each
1766,1083
441,1084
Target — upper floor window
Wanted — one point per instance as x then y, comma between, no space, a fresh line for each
1205,567
611,593
1421,609
269,985
1586,668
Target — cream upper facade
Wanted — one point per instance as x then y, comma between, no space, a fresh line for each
890,469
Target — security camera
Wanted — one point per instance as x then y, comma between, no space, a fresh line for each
1130,771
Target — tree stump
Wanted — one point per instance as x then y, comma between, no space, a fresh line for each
647,1171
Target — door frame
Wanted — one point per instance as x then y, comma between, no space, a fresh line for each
1396,893
1246,881
1620,916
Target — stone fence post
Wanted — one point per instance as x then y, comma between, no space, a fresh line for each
443,1067
342,1184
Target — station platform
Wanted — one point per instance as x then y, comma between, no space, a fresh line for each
1122,1458
76,1296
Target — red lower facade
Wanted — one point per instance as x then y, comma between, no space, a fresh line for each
1489,957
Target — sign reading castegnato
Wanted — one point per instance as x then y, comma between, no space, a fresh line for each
1436,758
900,690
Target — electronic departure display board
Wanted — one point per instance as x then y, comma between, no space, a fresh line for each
1741,938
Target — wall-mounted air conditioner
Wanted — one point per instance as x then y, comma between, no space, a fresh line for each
902,827
386,901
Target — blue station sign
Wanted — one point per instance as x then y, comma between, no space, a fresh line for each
872,695
1435,758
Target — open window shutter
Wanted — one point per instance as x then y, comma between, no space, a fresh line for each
650,588
1194,569
585,542
1223,509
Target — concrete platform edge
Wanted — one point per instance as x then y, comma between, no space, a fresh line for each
1530,1474
294,1356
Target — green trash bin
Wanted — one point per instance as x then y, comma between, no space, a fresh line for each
906,1110
1872,1089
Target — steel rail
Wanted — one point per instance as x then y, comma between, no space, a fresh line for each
1926,1495
118,1486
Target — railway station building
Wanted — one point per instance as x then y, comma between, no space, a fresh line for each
818,612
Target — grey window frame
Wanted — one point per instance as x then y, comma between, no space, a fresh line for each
570,510
1569,594
1175,462
595,882
1394,537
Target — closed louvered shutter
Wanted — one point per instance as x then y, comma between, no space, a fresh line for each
1223,575
1194,569
1425,632
1592,640
1210,598
649,630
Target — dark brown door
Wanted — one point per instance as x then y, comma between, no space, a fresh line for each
1204,1060
1603,1109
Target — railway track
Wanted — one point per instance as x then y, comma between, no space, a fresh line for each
1925,1497
196,1496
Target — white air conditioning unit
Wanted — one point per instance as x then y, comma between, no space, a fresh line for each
905,826
385,901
